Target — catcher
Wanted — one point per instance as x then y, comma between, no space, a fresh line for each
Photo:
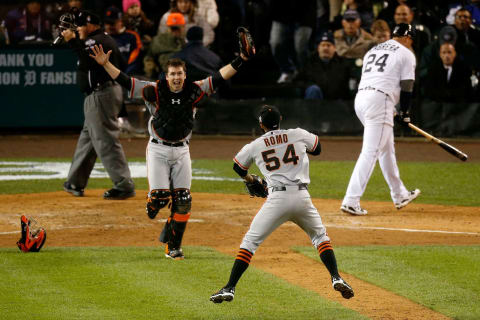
172,103
33,237
281,156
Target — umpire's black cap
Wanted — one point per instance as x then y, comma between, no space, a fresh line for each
270,117
403,30
85,17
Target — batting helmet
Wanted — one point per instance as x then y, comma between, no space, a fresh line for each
403,30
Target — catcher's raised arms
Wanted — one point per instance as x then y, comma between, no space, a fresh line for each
245,40
257,188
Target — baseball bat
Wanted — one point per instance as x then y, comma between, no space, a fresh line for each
450,149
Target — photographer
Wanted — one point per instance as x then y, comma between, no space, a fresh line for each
102,104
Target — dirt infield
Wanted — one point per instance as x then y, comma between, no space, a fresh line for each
220,220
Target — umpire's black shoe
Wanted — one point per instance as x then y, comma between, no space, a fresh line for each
225,294
77,192
115,194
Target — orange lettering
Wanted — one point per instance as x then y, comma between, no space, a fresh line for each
266,142
285,138
279,139
272,140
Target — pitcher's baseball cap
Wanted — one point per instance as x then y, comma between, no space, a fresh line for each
270,116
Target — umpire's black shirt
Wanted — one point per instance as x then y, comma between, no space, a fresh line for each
90,74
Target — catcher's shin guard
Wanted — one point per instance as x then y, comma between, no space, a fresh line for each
172,233
33,238
157,199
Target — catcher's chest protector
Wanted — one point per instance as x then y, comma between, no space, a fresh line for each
173,120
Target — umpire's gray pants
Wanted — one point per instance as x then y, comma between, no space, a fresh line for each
99,136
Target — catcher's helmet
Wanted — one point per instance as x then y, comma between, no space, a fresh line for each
403,30
270,117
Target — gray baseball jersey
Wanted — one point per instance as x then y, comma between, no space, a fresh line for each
281,157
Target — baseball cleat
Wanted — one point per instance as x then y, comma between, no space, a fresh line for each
175,254
356,211
411,196
225,294
70,188
344,288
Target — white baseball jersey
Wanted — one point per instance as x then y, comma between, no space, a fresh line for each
280,155
385,65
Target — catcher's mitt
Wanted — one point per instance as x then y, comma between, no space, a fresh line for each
257,188
245,40
33,237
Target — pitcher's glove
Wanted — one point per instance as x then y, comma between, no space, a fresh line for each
257,188
245,40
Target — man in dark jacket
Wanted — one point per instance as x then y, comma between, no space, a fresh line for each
448,81
201,61
326,74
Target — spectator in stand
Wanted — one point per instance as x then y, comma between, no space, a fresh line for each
449,79
352,42
364,9
164,45
189,9
135,19
200,61
404,14
388,10
326,75
128,41
28,23
474,8
207,9
380,31
430,56
468,40
292,26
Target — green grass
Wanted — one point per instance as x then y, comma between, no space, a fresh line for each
139,283
442,278
441,183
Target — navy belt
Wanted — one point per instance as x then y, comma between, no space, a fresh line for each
372,88
171,144
301,186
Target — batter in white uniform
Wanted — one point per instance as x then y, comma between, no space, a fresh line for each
281,156
387,77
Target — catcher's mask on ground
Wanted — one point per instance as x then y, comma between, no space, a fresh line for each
270,117
33,237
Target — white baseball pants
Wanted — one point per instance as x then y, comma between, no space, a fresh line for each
375,111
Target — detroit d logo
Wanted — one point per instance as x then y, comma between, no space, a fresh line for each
175,101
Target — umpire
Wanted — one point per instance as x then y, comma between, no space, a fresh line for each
103,102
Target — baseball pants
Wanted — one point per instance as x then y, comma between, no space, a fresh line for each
375,111
99,136
282,206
